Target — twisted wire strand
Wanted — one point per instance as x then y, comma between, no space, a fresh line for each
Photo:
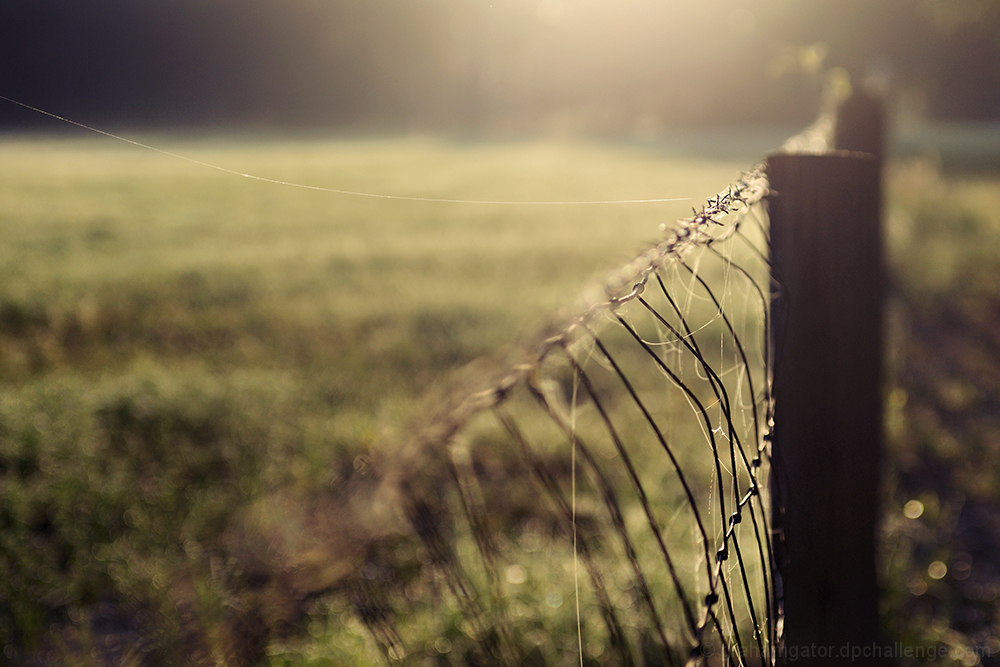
740,604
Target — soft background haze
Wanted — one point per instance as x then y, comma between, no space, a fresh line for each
508,65
206,378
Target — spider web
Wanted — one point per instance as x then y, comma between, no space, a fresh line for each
658,395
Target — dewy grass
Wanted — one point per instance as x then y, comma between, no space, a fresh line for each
187,352
183,346
144,254
941,418
98,233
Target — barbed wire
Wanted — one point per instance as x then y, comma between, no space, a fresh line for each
646,323
612,379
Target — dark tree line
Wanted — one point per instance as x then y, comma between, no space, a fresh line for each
467,63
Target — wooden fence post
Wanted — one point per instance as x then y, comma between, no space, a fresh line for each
861,125
826,255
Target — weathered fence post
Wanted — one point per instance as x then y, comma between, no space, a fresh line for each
826,255
861,126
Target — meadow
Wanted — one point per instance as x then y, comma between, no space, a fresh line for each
179,342
184,350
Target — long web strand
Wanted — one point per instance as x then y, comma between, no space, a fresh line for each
576,572
352,193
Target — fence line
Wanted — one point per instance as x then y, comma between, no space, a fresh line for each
627,359
687,434
646,423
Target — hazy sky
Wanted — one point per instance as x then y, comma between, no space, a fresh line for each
598,64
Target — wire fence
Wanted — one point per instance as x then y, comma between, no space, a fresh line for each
639,431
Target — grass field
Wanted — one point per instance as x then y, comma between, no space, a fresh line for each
183,349
194,258
941,544
180,343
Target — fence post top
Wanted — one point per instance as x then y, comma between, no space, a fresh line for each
825,155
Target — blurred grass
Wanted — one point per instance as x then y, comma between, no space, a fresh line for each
941,540
112,247
181,345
